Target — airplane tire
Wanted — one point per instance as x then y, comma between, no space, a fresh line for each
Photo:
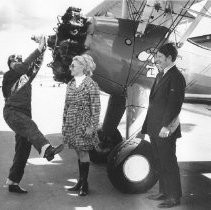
136,156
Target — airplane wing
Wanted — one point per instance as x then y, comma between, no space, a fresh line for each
167,13
114,8
107,7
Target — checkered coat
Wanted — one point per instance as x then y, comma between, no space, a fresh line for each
81,110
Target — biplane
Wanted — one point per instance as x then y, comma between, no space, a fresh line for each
122,36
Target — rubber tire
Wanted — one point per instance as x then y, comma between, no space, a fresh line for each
115,167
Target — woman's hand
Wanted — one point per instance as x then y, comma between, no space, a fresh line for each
89,131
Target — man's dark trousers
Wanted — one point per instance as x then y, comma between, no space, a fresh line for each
22,152
164,150
27,134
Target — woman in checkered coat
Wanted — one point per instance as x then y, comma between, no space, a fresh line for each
81,116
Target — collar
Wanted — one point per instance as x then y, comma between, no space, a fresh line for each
168,67
79,79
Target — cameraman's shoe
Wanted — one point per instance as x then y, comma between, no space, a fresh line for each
51,151
16,189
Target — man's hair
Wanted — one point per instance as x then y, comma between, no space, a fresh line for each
10,59
87,62
169,49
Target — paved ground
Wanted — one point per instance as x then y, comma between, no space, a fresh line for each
46,182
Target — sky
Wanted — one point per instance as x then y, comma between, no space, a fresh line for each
20,19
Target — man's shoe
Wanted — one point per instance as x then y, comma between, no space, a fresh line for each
16,189
157,197
168,203
51,151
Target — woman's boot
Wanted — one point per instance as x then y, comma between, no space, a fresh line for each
84,176
78,184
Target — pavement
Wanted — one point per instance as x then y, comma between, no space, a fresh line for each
47,181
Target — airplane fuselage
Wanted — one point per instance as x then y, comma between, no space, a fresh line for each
116,51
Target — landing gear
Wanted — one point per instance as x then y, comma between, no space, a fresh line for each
107,143
130,166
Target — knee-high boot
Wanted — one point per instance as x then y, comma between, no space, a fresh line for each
78,184
84,175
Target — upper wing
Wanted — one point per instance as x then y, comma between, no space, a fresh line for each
113,7
135,8
167,13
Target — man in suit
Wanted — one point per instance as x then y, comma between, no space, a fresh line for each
162,124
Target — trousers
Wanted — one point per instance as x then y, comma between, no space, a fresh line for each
22,152
164,151
27,134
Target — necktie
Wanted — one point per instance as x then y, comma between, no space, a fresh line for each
159,77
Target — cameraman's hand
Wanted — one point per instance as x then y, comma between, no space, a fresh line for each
42,44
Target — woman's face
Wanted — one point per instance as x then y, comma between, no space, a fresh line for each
76,68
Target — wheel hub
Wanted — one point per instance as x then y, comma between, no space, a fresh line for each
136,168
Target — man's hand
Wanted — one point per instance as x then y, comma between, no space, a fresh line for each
42,43
164,132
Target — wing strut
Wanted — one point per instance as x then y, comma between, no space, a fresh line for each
124,9
149,6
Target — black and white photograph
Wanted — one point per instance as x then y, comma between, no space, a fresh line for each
105,104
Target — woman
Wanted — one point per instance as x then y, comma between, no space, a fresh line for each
81,116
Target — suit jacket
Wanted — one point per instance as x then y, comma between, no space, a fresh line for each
165,102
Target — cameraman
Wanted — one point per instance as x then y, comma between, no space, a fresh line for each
17,114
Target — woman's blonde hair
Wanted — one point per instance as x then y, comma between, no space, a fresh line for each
87,62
